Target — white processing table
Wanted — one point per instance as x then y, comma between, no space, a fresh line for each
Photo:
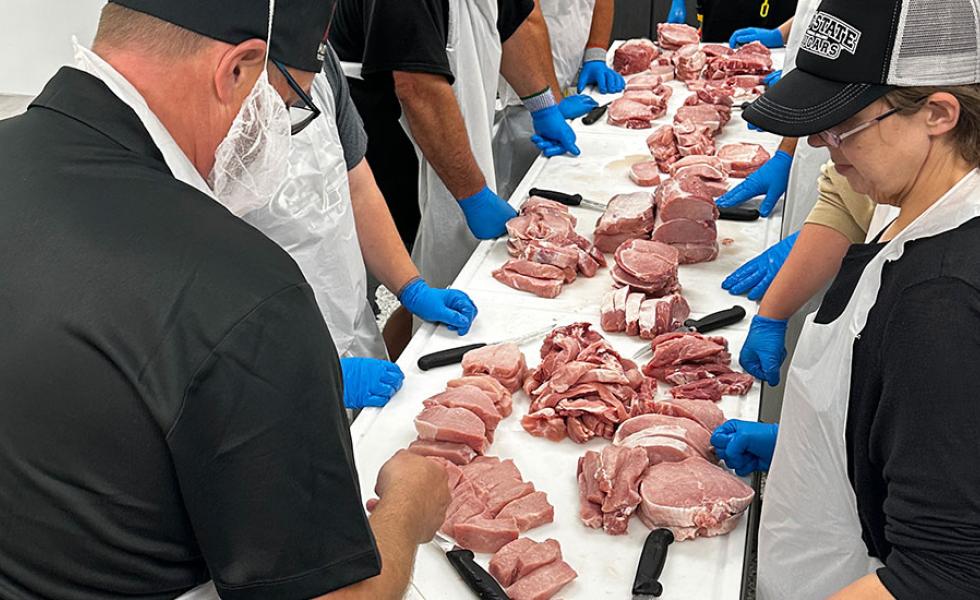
703,569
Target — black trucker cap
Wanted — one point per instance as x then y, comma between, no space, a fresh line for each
854,52
298,28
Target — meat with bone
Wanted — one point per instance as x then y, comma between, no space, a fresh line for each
627,216
644,81
457,425
503,362
584,384
750,59
696,160
634,56
632,114
646,267
490,386
692,498
707,414
662,435
713,50
645,173
609,487
672,36
741,160
689,61
663,146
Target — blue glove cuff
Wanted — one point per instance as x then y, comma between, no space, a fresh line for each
780,324
411,288
783,155
594,54
471,202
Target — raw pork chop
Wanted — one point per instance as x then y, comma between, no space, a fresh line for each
644,81
542,583
692,498
684,231
701,114
631,114
514,274
529,511
458,425
706,413
609,487
659,316
634,56
613,310
672,36
503,362
646,266
648,431
663,146
689,61
698,159
645,174
459,454
501,397
627,216
675,202
485,535
520,557
741,159
472,399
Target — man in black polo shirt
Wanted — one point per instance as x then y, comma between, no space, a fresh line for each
170,396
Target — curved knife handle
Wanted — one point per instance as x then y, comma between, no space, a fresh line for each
736,213
450,356
561,197
475,576
722,318
594,115
652,562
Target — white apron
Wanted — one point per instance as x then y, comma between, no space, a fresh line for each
883,216
311,217
444,242
569,25
810,542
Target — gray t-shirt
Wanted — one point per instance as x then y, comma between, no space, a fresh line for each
353,138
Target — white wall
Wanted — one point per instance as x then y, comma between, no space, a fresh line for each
35,39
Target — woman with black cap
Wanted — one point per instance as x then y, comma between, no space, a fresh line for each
874,490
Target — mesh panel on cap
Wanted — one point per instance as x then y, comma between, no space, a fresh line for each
938,43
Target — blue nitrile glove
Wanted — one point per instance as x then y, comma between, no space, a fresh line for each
754,277
765,349
487,214
369,381
550,126
598,73
772,78
678,12
770,179
574,107
745,446
770,38
452,308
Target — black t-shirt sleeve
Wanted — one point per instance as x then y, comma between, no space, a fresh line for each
927,439
511,14
407,36
262,451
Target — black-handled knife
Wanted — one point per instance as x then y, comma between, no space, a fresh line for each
595,114
476,577
737,213
451,356
647,584
566,199
722,318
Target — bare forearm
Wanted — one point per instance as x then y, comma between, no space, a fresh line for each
384,254
868,587
788,145
813,262
438,128
602,23
393,536
526,62
785,29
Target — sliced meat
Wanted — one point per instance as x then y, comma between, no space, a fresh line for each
706,115
646,173
459,454
674,202
686,373
692,498
699,252
614,310
504,563
471,398
633,304
629,215
634,56
644,81
707,414
689,61
704,389
685,231
503,362
545,423
544,287
716,50
490,386
542,583
646,430
736,384
698,159
664,71
675,349
659,316
741,159
442,424
663,146
628,113
651,263
672,36
550,253
529,511
480,534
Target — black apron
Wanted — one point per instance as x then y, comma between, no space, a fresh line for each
723,17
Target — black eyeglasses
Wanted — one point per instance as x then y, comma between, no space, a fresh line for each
302,113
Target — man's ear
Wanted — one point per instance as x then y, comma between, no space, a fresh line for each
238,69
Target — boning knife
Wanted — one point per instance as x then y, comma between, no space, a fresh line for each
646,585
451,356
567,199
716,320
476,577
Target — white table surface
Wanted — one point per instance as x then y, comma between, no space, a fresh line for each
703,569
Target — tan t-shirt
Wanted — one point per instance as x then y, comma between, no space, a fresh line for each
840,207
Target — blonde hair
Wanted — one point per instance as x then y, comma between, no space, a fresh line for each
966,134
121,27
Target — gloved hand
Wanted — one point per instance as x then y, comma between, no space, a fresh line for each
745,446
550,126
770,179
597,72
574,107
486,214
369,381
770,38
678,12
452,308
754,277
765,349
772,78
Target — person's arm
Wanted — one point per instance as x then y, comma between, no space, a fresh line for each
437,126
786,28
602,23
384,254
868,587
526,61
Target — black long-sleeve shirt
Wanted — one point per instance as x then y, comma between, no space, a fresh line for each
913,423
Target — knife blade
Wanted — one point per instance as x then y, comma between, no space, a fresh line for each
451,356
476,577
595,114
706,324
646,584
567,199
